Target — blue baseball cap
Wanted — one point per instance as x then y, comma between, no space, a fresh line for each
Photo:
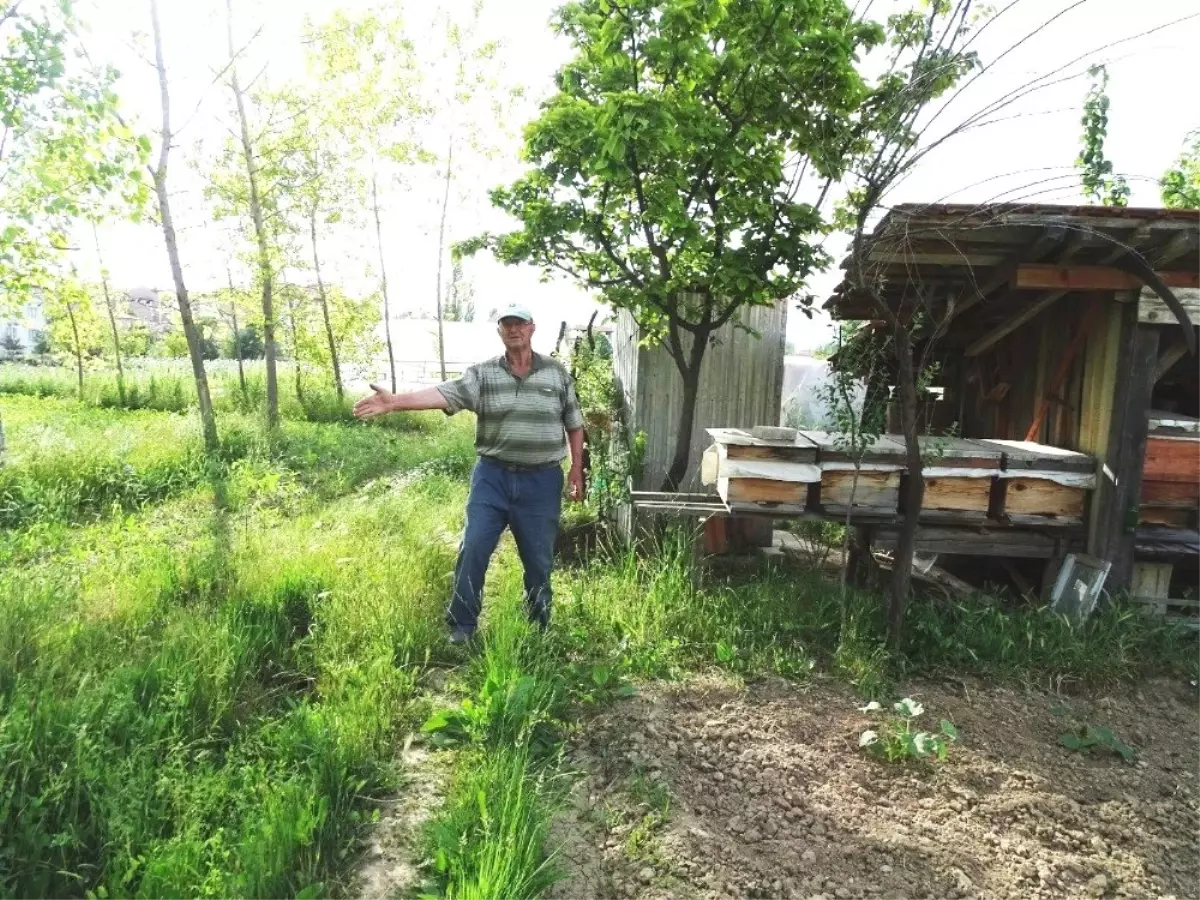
515,311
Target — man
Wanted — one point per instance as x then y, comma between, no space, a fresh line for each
524,403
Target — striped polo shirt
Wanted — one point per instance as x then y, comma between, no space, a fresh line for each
522,421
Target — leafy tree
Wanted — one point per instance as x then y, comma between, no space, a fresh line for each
136,340
466,92
1099,183
64,151
248,343
1180,184
159,172
266,268
666,170
460,304
73,321
367,69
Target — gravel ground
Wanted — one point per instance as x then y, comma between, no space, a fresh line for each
712,788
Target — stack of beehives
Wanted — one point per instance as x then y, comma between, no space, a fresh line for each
815,472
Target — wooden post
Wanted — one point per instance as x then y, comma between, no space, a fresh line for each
1121,476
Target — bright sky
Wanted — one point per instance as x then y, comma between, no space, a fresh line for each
1027,154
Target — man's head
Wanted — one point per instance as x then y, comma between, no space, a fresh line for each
515,326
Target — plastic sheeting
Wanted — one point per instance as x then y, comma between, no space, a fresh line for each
803,473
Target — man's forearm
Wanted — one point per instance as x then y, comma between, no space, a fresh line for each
575,442
426,398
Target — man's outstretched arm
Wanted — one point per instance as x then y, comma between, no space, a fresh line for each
384,401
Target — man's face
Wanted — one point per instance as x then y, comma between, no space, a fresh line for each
516,333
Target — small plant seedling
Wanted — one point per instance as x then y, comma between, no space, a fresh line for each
1092,737
897,739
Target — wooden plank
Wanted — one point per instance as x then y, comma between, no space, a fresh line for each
1127,451
1165,515
1151,584
950,452
951,541
1172,423
1037,276
761,490
1028,456
958,494
1168,358
1039,497
1172,458
1153,310
883,448
877,490
1177,494
1004,329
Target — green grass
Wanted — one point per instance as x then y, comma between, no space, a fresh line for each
205,700
168,386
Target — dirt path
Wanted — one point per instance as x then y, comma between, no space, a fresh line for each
711,789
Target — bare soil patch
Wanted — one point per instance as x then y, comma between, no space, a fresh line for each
711,788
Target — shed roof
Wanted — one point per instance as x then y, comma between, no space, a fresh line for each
963,258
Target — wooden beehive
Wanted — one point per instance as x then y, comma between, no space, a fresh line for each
1171,480
868,484
750,472
1041,483
959,475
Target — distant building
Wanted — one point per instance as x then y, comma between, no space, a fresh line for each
146,305
25,329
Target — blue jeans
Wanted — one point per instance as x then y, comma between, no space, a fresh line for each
529,504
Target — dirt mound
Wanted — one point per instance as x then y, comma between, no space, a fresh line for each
713,789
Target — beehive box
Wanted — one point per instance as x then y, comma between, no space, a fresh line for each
1041,483
749,472
1171,480
958,475
870,484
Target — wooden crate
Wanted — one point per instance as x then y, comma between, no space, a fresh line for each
957,494
739,444
1038,491
947,490
762,490
1172,458
1042,497
876,490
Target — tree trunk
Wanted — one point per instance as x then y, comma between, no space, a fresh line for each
294,328
208,422
112,318
78,349
914,493
237,337
387,310
260,232
689,370
441,253
333,355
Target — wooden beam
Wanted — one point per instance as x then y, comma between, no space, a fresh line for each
1121,482
1152,310
1168,358
1032,252
1178,246
1031,276
1008,326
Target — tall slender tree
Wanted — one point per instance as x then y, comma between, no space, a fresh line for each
110,307
367,70
266,273
160,173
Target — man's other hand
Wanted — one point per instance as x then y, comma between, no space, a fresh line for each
576,492
376,404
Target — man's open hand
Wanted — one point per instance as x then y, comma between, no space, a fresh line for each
376,404
576,492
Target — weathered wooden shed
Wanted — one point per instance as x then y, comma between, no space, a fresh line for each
1043,330
741,381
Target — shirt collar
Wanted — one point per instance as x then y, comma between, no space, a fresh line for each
538,362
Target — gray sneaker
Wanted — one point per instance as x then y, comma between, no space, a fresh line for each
460,636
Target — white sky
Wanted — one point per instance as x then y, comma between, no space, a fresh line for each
1153,89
